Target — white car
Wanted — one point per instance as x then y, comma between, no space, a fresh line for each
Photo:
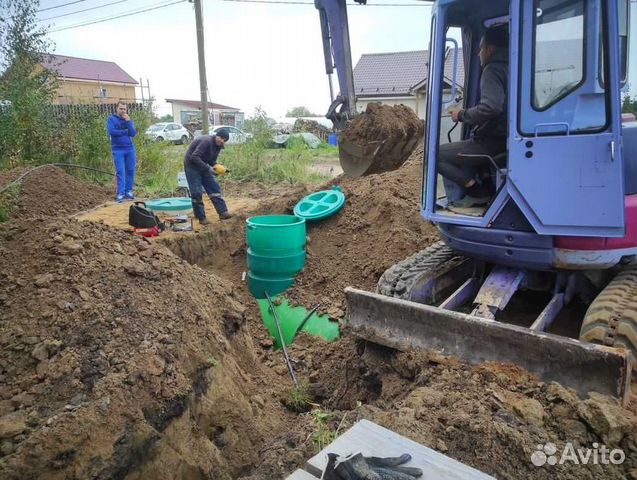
236,135
172,132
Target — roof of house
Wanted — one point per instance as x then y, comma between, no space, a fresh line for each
197,104
396,73
87,69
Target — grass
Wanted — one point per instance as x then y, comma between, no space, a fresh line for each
297,399
253,162
159,164
322,435
9,203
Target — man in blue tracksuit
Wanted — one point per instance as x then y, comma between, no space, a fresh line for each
199,164
122,130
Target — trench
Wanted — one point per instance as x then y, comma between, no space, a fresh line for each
234,413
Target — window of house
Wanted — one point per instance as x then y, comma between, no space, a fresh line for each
103,92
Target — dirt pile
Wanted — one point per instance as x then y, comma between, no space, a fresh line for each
383,121
492,417
50,191
311,126
119,357
379,225
379,139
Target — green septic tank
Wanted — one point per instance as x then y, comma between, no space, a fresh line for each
276,252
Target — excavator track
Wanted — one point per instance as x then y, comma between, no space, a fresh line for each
408,278
612,317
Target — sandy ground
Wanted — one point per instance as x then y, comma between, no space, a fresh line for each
116,214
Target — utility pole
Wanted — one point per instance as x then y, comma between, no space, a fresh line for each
203,84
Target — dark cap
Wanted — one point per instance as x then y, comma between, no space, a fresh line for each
223,133
498,36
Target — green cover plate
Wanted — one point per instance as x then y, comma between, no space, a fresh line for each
170,204
291,318
320,205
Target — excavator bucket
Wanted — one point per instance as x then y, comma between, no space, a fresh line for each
378,140
406,325
374,156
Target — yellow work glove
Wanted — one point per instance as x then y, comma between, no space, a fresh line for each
220,169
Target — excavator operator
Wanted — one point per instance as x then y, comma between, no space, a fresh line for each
488,119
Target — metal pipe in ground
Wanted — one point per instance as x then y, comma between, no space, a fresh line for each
285,350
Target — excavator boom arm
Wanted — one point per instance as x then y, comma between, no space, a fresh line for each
336,50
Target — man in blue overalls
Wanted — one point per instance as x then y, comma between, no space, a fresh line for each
199,165
122,130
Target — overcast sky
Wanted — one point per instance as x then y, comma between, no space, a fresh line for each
267,55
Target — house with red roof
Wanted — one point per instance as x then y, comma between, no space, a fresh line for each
401,78
86,81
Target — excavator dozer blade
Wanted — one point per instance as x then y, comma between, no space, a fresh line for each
374,157
406,325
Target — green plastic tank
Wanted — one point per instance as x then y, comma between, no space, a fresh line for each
267,265
258,285
276,252
285,233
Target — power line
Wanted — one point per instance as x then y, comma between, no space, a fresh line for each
127,14
283,2
133,12
60,6
80,11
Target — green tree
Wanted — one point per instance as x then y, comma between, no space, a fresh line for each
297,112
165,118
260,126
26,89
629,105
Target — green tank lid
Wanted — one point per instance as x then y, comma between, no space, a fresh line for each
320,205
170,204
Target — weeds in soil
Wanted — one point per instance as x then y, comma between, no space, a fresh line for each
322,435
297,399
9,203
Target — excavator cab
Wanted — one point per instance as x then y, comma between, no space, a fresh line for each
563,172
562,220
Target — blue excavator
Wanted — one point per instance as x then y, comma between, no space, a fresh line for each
561,227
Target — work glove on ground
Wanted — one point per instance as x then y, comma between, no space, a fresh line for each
358,467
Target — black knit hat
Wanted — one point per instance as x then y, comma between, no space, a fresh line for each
223,133
497,36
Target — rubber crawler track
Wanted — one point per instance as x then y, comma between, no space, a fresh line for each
397,281
612,317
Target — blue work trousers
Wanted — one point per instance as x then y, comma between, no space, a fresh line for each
125,162
200,181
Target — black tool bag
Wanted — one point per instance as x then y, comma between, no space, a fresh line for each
141,217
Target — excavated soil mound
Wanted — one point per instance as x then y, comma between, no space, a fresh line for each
50,191
379,140
379,226
492,417
119,358
383,121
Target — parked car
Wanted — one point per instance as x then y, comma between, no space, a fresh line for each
172,132
236,135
